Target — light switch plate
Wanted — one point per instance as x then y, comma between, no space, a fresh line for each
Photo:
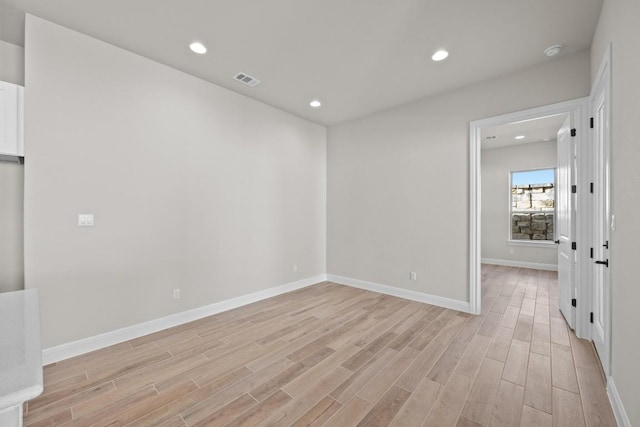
85,220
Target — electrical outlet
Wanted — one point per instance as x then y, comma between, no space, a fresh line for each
295,268
413,276
176,294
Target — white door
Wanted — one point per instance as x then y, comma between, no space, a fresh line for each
600,268
564,222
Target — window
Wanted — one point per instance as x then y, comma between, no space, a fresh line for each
532,209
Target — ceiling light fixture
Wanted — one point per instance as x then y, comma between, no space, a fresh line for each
315,103
520,137
198,48
553,50
440,55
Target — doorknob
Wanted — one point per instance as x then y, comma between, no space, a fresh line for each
606,245
557,242
605,263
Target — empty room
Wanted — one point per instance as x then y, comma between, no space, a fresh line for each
297,213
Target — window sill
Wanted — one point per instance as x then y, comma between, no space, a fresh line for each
532,243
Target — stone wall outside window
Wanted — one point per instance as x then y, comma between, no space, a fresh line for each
532,212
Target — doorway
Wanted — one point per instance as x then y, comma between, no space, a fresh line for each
526,211
572,115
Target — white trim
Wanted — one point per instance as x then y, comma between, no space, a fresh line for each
475,224
521,264
85,345
401,293
533,243
616,404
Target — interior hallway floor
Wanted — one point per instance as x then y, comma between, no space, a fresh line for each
337,356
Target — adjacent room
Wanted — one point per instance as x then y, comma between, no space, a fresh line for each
408,213
519,162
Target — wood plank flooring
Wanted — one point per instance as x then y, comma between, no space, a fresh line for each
330,355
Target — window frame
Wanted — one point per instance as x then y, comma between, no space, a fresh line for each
531,243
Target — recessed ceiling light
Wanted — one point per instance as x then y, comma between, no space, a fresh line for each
315,103
440,55
553,50
520,137
198,48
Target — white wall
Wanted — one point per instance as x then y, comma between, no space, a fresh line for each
619,24
11,188
496,164
192,187
11,63
398,186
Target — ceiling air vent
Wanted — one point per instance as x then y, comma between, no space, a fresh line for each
246,79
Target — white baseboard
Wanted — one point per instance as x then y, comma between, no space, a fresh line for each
76,348
86,345
401,293
616,404
521,264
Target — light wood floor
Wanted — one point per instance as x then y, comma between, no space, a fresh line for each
337,356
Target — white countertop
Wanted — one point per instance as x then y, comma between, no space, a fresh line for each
20,352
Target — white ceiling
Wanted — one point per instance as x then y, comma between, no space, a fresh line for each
357,56
535,130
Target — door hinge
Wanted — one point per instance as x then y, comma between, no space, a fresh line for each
591,317
591,253
574,189
574,302
574,246
574,132
591,123
591,187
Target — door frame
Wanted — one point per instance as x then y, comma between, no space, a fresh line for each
578,110
604,79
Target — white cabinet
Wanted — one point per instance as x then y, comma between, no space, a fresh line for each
11,119
21,361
